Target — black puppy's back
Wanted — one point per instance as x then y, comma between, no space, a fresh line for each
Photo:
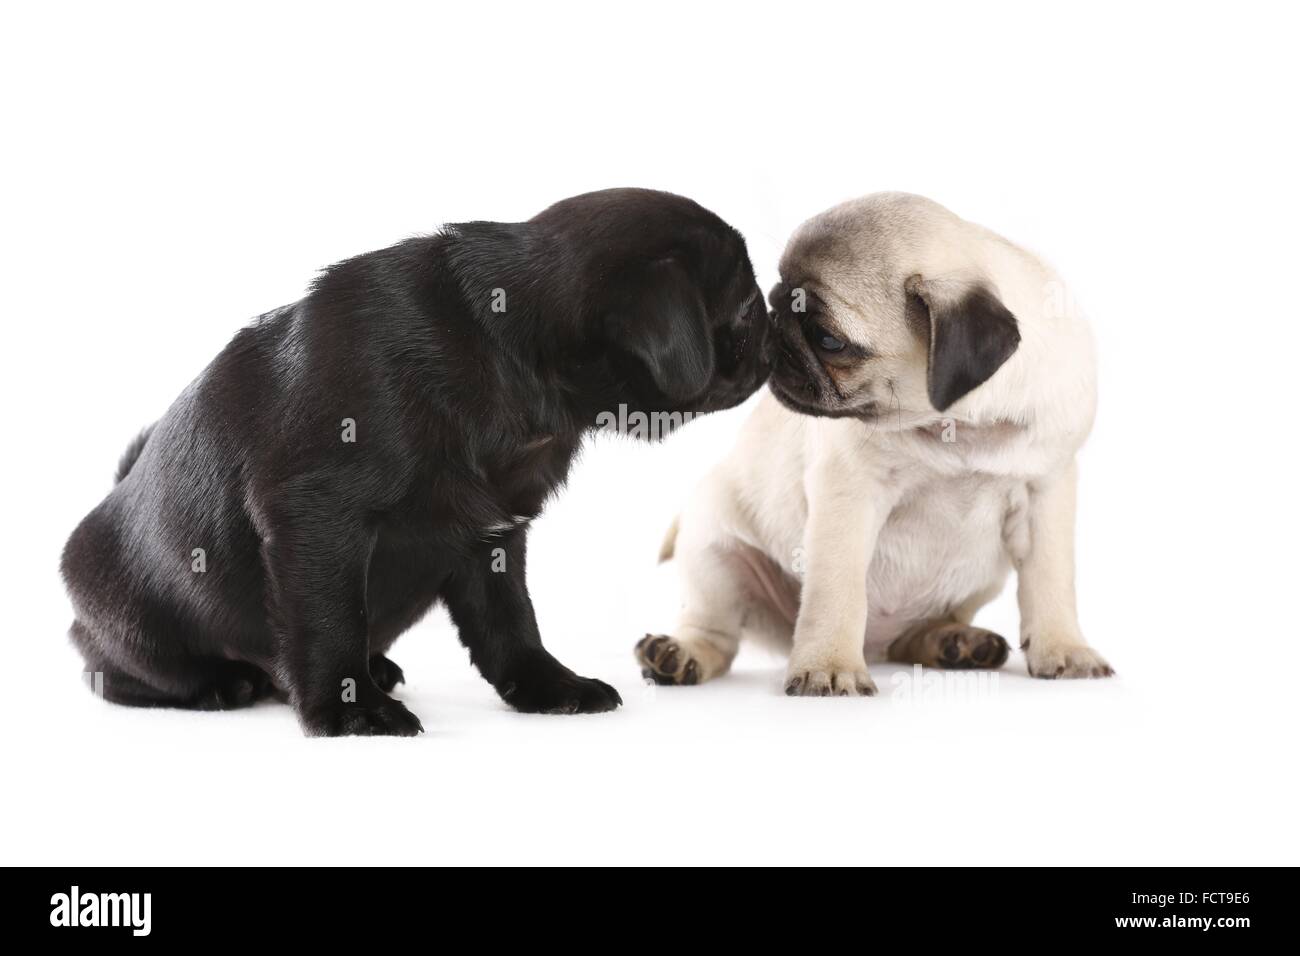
167,574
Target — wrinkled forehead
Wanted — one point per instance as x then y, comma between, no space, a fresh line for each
842,263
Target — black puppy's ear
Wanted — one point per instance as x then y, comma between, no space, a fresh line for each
971,335
660,317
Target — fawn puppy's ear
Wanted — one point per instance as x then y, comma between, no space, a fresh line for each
971,335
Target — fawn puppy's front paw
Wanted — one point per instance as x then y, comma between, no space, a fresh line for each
810,675
1050,659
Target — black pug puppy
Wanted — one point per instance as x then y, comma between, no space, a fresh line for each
383,443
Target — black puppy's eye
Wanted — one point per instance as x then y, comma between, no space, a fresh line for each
827,342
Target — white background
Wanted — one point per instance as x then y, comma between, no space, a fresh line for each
168,174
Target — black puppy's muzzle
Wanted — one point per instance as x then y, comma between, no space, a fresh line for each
744,358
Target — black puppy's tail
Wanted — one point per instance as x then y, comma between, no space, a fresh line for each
132,453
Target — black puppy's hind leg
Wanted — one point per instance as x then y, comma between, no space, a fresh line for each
317,572
184,683
488,599
385,673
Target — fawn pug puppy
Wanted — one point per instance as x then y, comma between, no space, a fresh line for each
931,388
383,443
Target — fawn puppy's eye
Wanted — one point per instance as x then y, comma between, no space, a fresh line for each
827,342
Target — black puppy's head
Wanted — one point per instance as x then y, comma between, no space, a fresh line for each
656,307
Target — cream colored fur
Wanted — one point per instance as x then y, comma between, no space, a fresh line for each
831,536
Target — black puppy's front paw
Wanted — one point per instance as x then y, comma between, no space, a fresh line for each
559,693
377,716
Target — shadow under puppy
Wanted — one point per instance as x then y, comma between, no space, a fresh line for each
950,383
384,442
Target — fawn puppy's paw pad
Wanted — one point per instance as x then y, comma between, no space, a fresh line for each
664,661
962,648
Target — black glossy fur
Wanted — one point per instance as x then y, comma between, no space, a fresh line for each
319,551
